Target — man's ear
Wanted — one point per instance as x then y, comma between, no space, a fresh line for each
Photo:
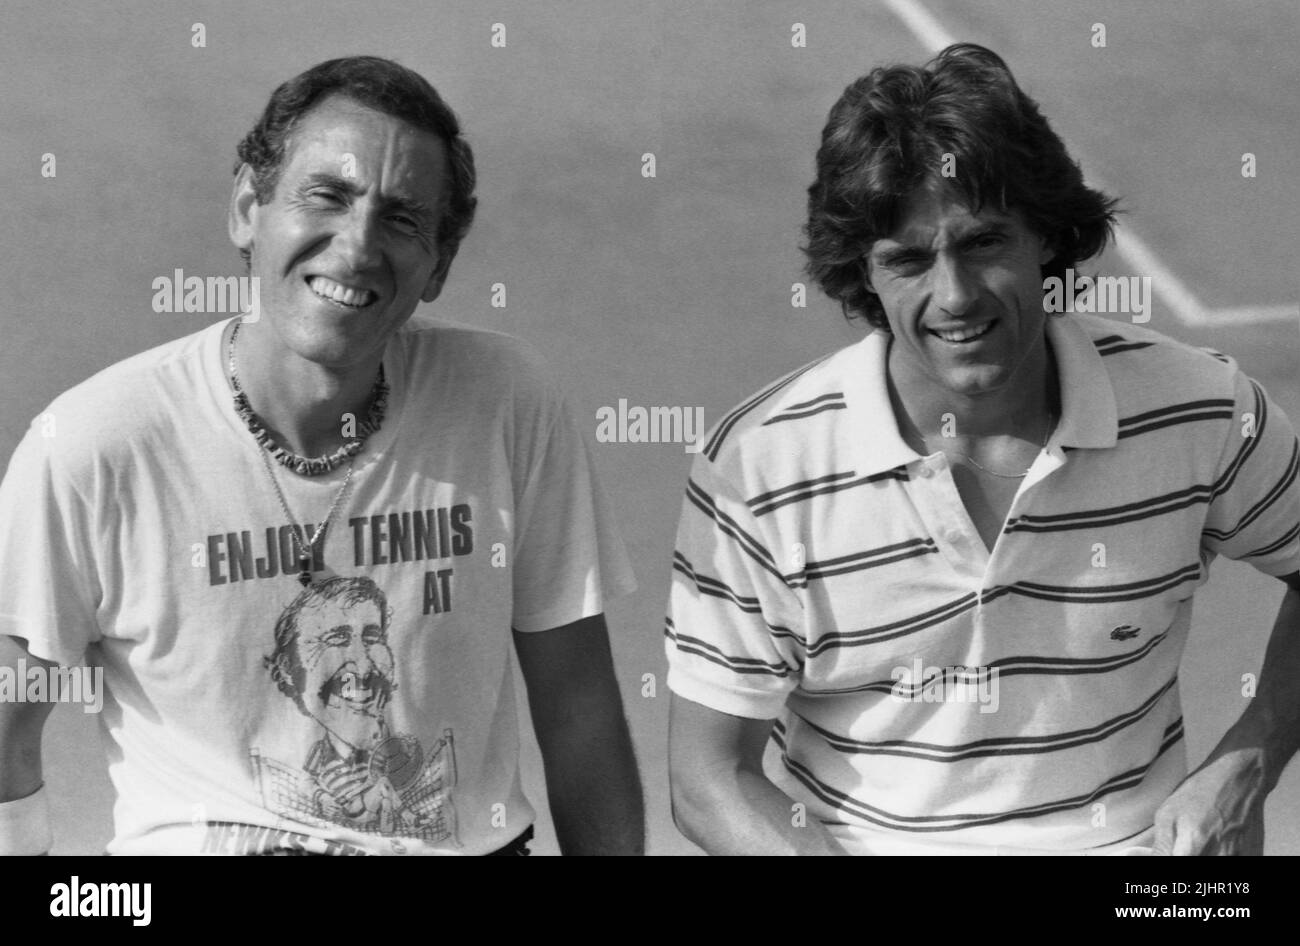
865,260
242,216
433,288
1046,251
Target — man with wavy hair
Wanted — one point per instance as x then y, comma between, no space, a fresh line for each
931,592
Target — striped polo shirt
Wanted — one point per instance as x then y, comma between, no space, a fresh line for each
931,696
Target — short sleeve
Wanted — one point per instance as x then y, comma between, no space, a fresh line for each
1254,513
569,558
46,553
734,633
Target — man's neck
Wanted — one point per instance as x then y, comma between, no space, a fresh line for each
301,403
1022,409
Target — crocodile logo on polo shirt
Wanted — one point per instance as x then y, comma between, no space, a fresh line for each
1125,632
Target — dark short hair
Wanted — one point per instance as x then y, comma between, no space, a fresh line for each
384,86
888,137
285,663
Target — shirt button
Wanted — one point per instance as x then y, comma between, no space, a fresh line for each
926,472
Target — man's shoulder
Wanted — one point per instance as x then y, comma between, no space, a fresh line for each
130,408
428,336
1139,359
131,396
479,358
789,412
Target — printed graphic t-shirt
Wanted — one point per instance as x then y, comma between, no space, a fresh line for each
371,712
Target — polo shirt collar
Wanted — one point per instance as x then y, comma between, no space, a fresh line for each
1089,417
880,447
1088,413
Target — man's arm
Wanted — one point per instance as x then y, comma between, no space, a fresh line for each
1219,808
591,772
21,725
721,799
20,728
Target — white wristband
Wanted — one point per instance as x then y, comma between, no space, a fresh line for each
25,825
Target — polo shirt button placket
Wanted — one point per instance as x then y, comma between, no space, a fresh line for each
939,500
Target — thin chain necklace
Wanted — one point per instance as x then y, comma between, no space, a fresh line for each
1009,476
304,551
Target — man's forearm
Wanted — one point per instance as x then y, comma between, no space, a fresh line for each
20,749
740,812
21,725
24,808
1271,723
591,773
595,793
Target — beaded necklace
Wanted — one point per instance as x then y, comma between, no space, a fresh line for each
309,466
313,466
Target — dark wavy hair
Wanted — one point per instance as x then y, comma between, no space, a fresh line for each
887,137
384,86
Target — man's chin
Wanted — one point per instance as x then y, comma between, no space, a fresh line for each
335,346
975,381
340,342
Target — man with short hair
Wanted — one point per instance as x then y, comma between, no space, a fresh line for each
931,592
391,493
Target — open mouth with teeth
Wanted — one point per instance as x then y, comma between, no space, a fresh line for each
348,297
964,336
367,693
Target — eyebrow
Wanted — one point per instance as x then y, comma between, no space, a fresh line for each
894,254
349,186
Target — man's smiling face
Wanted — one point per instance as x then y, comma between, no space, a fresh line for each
347,246
962,292
348,671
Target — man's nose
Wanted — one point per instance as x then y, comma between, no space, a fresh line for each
953,288
357,241
359,655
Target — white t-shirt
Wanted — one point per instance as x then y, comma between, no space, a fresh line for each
373,712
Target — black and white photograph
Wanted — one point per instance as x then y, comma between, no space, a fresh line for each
658,428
